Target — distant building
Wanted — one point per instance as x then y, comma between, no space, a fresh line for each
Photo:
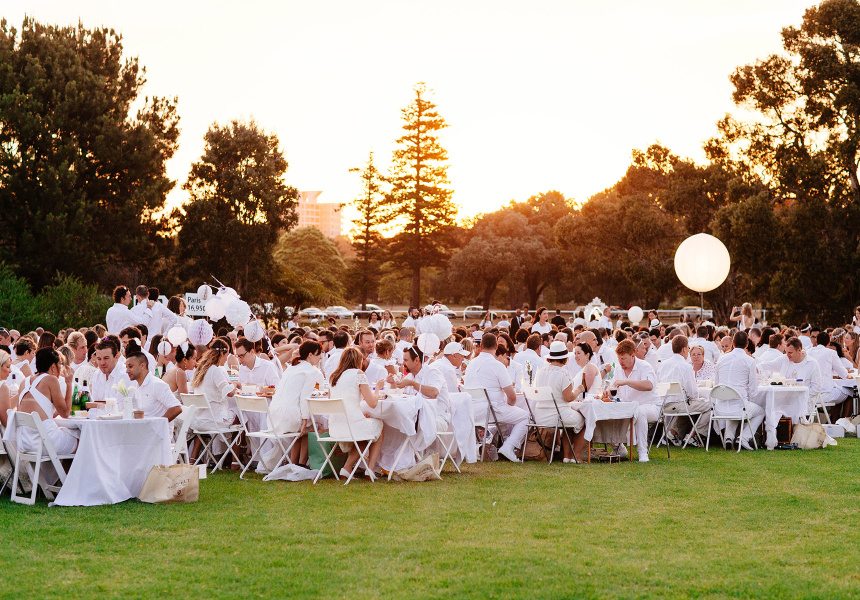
325,216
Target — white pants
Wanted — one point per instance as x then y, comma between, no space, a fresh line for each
518,418
836,394
756,416
648,413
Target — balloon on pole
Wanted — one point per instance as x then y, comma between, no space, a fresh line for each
702,262
635,314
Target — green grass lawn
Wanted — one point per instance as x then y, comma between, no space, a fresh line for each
765,524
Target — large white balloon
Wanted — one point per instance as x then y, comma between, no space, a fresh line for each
176,335
635,314
214,308
702,262
428,343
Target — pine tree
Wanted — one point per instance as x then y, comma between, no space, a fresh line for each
367,241
419,198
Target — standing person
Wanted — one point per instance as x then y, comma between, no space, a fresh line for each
118,316
743,317
636,381
149,312
388,321
541,325
484,371
413,318
516,322
373,321
558,320
486,321
606,320
175,316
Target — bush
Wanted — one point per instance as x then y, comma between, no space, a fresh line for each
17,305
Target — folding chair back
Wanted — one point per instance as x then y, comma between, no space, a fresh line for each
252,404
201,404
180,434
256,404
328,408
544,398
728,402
481,395
34,421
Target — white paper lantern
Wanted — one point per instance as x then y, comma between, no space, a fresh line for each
204,292
428,343
228,295
438,324
702,262
215,309
238,313
200,332
164,348
176,335
635,314
254,332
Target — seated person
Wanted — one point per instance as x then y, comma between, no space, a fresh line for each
42,396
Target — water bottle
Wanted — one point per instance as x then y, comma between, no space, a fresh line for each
13,385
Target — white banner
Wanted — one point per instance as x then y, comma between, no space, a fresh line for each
194,305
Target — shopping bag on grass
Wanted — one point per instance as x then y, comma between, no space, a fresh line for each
426,470
174,483
808,436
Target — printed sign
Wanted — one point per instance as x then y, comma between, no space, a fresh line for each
195,305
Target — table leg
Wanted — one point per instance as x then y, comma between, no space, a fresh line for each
589,451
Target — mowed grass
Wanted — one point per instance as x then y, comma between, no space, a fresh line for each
766,524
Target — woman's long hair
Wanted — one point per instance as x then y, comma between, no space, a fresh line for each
211,357
350,359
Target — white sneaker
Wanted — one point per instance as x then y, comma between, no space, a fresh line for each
691,440
745,444
643,458
509,454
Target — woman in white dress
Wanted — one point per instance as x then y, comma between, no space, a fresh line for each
556,376
42,396
7,399
349,383
373,321
382,365
541,324
288,411
183,360
388,321
743,316
588,377
486,321
211,381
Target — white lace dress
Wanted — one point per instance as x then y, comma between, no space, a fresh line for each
347,390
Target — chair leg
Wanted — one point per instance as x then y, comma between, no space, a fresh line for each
710,427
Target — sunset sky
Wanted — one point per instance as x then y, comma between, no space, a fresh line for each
539,95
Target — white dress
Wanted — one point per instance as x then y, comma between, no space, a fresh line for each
28,438
557,379
290,402
592,389
347,390
215,387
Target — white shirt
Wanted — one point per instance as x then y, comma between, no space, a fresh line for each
410,322
806,341
651,357
432,378
538,328
484,371
118,317
530,356
75,366
505,323
807,370
262,373
769,355
641,371
676,369
292,325
451,375
101,386
605,322
154,397
738,370
712,353
332,362
829,363
664,352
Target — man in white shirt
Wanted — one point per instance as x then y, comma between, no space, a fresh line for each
111,372
775,350
404,342
530,355
133,333
293,322
636,381
712,353
485,372
449,364
644,350
805,340
340,339
78,343
151,313
738,369
153,396
366,342
676,369
253,369
412,319
606,320
831,368
664,352
118,316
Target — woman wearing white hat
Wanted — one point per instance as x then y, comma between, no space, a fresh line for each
557,377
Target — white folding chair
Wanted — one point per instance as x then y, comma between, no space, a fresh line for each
327,408
819,406
201,403
543,397
179,445
481,395
728,405
256,404
4,452
34,421
446,440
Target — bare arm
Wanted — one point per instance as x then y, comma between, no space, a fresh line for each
173,412
367,395
511,394
642,385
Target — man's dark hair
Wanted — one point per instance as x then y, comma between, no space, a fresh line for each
489,341
325,334
144,331
245,343
740,340
24,344
153,294
137,356
108,343
340,339
533,342
119,293
823,338
131,332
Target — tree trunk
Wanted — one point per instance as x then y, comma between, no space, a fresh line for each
416,286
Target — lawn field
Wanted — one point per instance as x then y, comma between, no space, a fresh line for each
765,525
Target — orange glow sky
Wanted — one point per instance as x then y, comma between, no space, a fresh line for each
538,95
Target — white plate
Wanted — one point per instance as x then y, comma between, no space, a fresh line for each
110,417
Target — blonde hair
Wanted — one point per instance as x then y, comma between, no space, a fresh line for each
211,357
350,359
4,357
746,309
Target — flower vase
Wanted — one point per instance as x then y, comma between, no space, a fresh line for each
128,406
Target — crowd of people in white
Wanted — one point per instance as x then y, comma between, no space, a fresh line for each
575,358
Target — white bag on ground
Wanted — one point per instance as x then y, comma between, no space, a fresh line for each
811,436
847,425
174,483
426,470
290,472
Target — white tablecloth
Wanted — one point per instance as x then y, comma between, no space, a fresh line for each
113,459
607,422
781,401
399,417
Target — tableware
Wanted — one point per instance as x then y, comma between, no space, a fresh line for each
90,405
111,417
80,414
110,405
138,414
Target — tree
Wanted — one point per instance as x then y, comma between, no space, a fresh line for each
83,177
313,262
239,205
365,270
419,197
